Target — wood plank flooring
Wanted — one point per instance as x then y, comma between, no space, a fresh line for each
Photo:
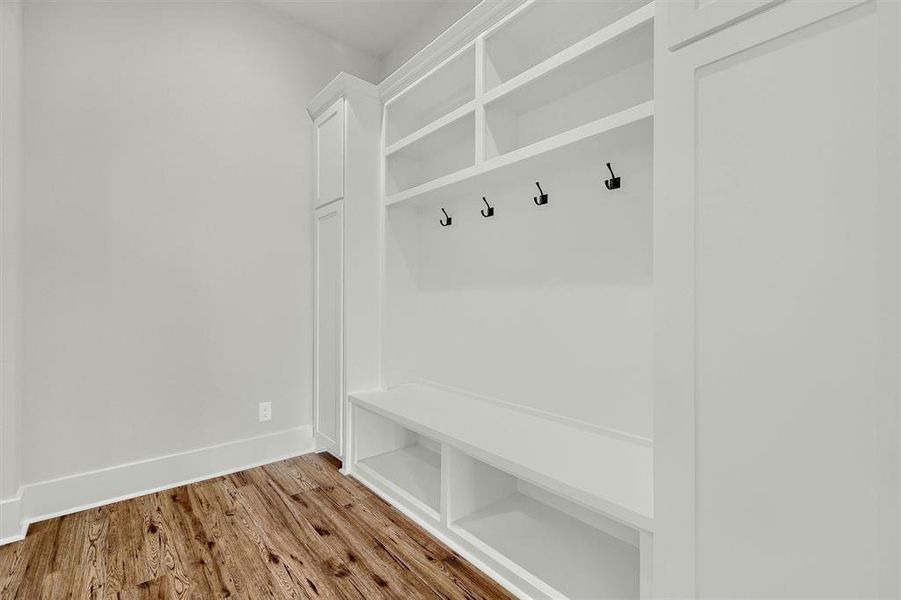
291,529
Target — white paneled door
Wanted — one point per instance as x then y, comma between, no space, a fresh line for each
328,384
776,264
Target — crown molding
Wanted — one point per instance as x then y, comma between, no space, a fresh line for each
469,27
341,85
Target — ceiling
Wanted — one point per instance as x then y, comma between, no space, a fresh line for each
373,26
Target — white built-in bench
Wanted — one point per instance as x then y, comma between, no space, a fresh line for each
550,508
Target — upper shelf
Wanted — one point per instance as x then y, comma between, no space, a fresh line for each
604,134
446,89
610,75
540,30
445,150
521,50
607,473
577,86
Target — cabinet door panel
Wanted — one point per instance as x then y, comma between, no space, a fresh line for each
328,310
777,306
330,154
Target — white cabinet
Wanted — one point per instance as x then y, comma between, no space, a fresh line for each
328,372
347,117
776,273
330,153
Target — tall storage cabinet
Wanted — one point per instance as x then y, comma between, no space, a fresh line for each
328,334
776,265
346,116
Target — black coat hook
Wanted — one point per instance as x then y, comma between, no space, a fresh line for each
613,182
490,212
541,198
447,218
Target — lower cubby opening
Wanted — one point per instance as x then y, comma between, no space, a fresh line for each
557,546
415,469
408,463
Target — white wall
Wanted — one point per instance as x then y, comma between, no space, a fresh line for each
168,251
549,307
10,239
445,14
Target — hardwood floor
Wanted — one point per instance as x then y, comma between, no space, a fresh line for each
291,529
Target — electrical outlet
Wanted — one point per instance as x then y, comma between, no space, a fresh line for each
265,411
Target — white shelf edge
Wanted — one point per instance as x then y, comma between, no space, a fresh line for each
451,117
625,117
433,185
377,480
611,509
609,33
622,118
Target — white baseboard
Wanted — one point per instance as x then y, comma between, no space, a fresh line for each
12,526
74,493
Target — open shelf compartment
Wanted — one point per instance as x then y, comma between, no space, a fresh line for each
405,463
596,139
446,150
607,79
559,547
544,28
447,88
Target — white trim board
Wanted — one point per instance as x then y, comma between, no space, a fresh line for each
74,493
